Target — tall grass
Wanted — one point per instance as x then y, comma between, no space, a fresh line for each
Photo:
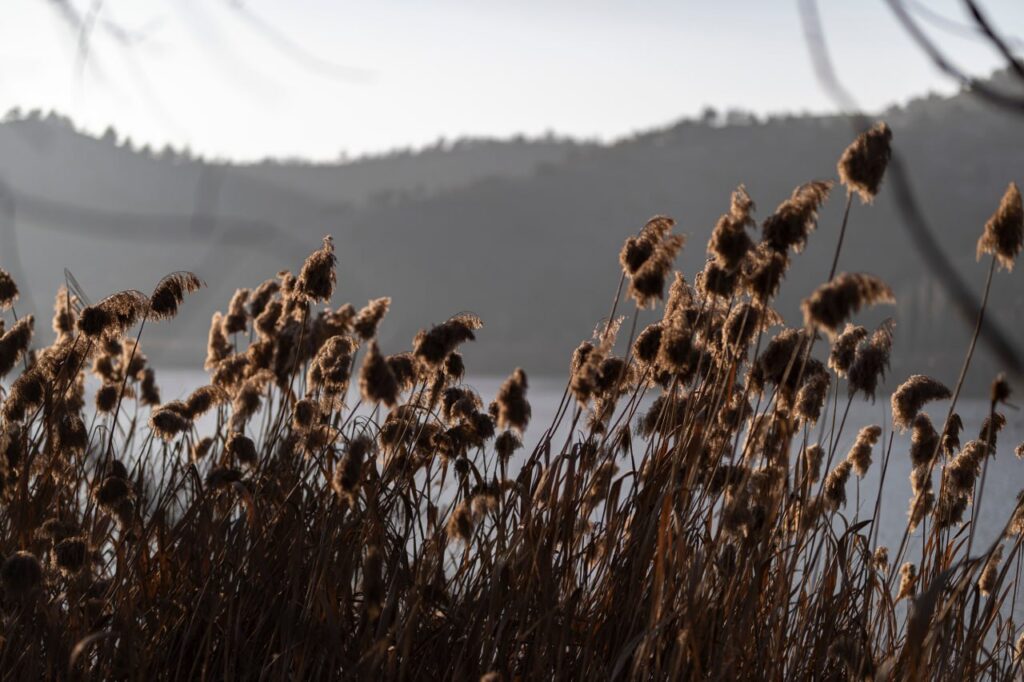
340,512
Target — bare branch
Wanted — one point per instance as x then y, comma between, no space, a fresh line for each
906,202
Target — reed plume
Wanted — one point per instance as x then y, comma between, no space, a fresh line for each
863,163
317,278
170,293
369,318
9,289
912,395
833,303
376,380
1004,231
859,456
794,219
20,574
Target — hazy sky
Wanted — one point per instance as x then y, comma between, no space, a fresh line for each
313,78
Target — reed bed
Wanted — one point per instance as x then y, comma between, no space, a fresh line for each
326,508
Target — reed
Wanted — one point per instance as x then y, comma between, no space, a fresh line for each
275,524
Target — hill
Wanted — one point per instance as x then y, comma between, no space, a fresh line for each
523,232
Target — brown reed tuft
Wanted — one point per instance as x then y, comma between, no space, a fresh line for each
1004,232
999,392
961,473
203,399
460,522
8,290
908,581
15,342
742,323
433,347
169,421
269,318
149,392
219,478
170,293
990,428
677,351
647,344
304,412
248,399
70,555
261,297
812,456
217,346
729,241
317,278
810,398
201,448
72,435
241,449
880,558
114,315
20,574
833,303
377,382
716,281
513,408
680,297
56,529
924,441
871,361
835,485
238,315
762,271
112,492
506,444
989,574
844,348
863,163
348,476
783,352
912,395
859,456
454,367
794,219
638,250
647,281
25,395
405,369
64,315
369,318
332,366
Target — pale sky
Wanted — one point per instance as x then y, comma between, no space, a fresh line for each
313,78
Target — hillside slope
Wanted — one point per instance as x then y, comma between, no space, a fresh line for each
525,233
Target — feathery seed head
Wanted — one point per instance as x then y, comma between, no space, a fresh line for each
376,380
792,222
912,395
317,278
8,290
20,574
863,163
170,292
1004,232
833,303
368,319
513,408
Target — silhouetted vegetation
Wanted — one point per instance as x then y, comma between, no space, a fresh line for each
331,506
